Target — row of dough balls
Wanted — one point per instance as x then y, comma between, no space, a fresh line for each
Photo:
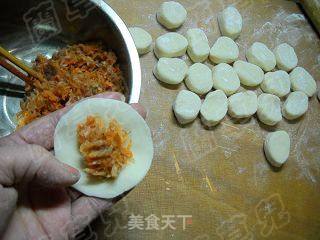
200,79
242,105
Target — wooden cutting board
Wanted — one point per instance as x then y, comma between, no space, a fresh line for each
221,177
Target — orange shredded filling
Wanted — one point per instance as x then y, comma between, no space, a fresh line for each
105,150
72,73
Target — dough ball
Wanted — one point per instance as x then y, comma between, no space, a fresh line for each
214,108
250,75
171,15
225,79
301,80
286,57
66,146
277,148
260,55
170,70
277,83
243,104
225,50
171,45
230,22
198,49
295,106
269,109
186,106
142,39
199,78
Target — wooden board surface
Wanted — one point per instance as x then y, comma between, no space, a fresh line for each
221,177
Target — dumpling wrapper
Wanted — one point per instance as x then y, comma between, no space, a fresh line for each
67,150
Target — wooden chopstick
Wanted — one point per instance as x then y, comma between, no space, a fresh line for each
15,71
20,64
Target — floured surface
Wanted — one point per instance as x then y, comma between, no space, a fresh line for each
221,175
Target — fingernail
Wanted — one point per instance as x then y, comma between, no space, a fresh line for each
73,171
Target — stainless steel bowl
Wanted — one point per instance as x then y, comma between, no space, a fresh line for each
31,27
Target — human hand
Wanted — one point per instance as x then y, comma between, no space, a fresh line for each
35,201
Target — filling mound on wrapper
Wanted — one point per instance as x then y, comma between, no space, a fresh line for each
106,150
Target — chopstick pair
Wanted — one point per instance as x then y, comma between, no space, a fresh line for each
16,67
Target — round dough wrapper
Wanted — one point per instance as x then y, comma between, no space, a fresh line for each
171,45
277,83
199,79
269,109
301,80
250,75
230,22
225,79
214,108
295,105
67,150
186,106
277,148
171,15
170,70
243,104
286,57
260,55
142,39
198,48
224,50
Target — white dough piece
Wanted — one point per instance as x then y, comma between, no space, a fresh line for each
260,55
214,108
243,104
224,50
171,15
170,70
186,106
286,57
250,75
225,79
277,83
277,148
67,150
230,22
142,39
171,45
198,48
295,105
199,79
301,80
269,109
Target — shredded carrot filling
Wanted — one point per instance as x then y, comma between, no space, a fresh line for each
72,73
105,150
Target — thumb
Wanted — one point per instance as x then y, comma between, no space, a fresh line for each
22,164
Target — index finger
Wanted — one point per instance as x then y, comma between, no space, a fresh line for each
41,131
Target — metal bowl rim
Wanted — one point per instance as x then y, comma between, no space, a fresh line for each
131,48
